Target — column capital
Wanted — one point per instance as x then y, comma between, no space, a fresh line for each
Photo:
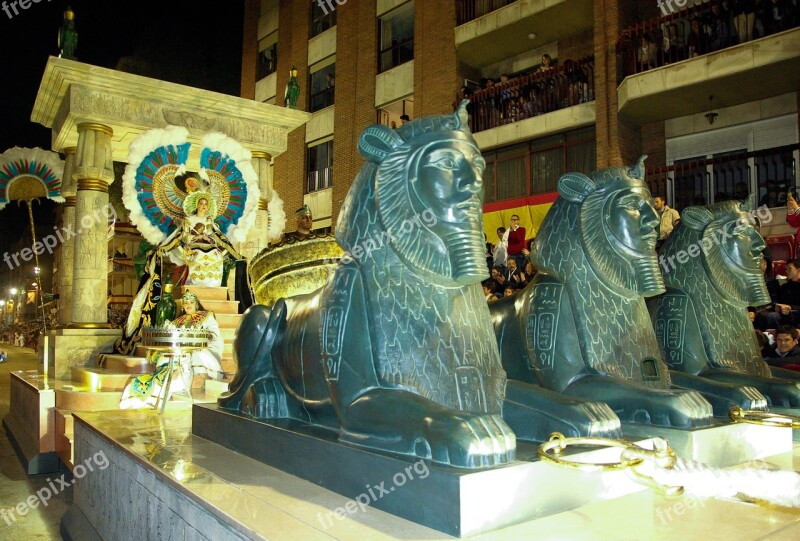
94,126
261,154
69,150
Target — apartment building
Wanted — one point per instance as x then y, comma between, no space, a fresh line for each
710,95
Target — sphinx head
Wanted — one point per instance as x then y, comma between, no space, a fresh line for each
422,190
732,249
617,224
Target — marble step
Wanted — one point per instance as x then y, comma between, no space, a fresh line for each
216,387
100,379
221,306
203,293
123,363
64,432
84,399
228,321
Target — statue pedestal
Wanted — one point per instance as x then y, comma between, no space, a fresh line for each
456,501
66,348
789,411
721,445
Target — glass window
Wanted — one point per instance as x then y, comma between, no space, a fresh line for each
320,167
396,30
534,167
775,175
267,61
322,88
731,175
690,184
323,16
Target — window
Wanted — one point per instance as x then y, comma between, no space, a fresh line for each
321,86
396,35
267,61
534,167
320,167
775,173
323,16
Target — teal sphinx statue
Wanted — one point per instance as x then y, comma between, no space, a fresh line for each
712,271
582,327
397,352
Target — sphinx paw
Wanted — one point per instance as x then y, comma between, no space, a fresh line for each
468,440
784,395
682,409
602,421
749,398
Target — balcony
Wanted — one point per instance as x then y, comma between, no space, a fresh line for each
533,105
679,73
504,32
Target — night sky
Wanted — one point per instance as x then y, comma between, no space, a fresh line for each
181,41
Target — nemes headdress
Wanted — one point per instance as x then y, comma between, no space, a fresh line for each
188,296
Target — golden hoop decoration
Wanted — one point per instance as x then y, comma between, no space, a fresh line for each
558,443
763,418
632,456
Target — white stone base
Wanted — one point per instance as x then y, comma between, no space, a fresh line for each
66,348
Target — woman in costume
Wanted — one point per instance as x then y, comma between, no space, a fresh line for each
201,242
144,391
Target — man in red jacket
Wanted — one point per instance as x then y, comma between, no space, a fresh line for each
516,242
793,217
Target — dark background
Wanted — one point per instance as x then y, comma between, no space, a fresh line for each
188,42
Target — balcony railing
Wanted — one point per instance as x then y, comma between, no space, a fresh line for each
531,95
692,32
469,10
729,177
319,180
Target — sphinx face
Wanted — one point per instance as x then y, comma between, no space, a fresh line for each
449,182
742,246
631,220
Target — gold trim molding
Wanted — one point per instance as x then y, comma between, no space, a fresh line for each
70,201
261,154
94,185
263,204
89,326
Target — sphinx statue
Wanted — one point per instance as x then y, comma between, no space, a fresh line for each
397,352
581,327
712,271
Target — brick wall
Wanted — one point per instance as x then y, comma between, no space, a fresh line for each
249,49
436,78
654,144
575,47
289,172
356,67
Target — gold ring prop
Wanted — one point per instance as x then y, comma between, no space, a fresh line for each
763,418
630,458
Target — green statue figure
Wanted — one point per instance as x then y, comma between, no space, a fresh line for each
581,327
68,36
292,90
712,269
397,352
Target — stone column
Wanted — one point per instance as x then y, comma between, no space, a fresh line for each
257,238
94,170
66,261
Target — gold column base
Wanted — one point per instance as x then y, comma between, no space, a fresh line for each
88,326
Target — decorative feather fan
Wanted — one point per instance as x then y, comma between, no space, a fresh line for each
155,198
33,163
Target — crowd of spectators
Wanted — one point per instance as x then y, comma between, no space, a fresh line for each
777,324
545,88
509,264
707,28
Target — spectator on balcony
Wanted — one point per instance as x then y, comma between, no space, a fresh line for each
774,16
695,41
744,17
716,28
646,53
578,83
547,63
516,242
